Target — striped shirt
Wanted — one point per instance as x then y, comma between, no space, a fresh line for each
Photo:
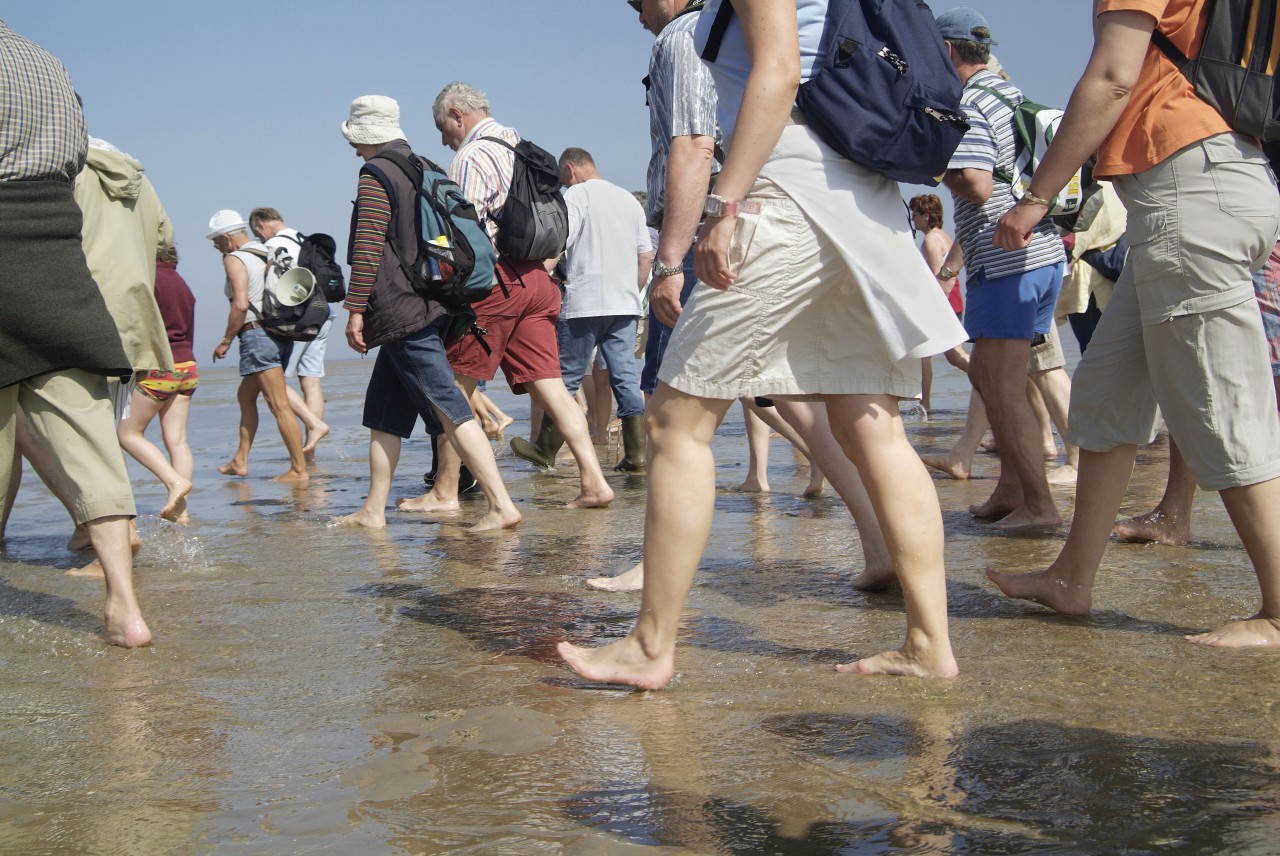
682,103
373,219
483,169
42,130
989,146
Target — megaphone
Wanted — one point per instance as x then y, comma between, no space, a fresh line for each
295,286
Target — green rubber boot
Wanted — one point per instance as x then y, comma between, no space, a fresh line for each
543,453
632,445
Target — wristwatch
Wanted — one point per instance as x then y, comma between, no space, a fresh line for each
718,206
945,272
660,270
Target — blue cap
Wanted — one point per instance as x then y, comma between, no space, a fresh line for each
959,23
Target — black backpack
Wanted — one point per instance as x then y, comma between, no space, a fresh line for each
300,323
318,253
1235,68
887,95
534,222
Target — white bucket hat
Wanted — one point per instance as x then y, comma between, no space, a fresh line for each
225,222
374,119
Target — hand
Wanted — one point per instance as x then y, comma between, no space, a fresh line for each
355,332
221,351
711,253
1013,232
664,298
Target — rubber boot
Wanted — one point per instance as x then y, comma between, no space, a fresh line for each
632,445
543,453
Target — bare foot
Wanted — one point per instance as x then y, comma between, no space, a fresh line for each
314,438
1022,518
1045,589
497,519
93,570
754,485
989,446
1255,632
364,517
993,509
629,580
1065,474
879,579
292,476
816,481
598,498
1050,452
177,503
957,469
234,468
493,430
125,627
428,503
623,662
79,540
907,662
1154,526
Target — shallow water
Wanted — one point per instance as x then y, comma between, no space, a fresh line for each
315,690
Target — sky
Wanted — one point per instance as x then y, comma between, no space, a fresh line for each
236,105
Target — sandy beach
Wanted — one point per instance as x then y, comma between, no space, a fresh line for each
322,690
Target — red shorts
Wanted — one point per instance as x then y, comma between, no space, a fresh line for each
519,318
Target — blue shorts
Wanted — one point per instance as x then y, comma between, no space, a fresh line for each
259,352
409,376
1017,306
308,357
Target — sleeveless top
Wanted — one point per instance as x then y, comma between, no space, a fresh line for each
257,278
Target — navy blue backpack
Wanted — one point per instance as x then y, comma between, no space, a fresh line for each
886,95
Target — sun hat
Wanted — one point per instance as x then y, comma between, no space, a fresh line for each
225,222
960,22
374,119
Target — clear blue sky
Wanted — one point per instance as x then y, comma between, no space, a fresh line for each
235,104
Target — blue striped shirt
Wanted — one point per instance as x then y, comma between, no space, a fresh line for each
989,146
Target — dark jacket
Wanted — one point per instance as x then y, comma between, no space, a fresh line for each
395,310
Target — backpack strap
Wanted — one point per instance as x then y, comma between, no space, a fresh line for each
1008,102
412,171
1170,50
718,28
266,261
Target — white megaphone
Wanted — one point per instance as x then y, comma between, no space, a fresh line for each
295,286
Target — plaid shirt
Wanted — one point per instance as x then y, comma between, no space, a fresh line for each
42,129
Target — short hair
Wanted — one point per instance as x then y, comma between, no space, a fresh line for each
971,51
577,157
167,253
930,207
464,96
259,215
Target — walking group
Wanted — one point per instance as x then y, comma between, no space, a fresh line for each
781,271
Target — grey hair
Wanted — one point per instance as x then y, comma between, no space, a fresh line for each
464,96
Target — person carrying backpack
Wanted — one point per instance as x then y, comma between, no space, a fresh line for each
411,378
519,203
1182,331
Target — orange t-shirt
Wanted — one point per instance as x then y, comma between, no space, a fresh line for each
1164,114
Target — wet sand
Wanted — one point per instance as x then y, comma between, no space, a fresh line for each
316,690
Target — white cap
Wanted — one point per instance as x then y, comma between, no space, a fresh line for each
225,222
374,119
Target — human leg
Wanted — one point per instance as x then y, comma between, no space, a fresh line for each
247,398
1170,521
384,456
275,391
1054,387
926,383
316,428
617,348
678,513
470,443
131,433
173,429
572,423
870,431
757,479
958,461
777,422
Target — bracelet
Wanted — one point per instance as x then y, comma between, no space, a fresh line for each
225,341
718,206
660,270
1031,199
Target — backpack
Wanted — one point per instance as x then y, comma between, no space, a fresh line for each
300,323
455,261
1034,127
318,253
1235,68
534,222
886,96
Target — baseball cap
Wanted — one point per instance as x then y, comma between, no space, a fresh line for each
960,22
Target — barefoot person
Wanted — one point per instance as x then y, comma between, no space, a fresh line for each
167,394
55,365
262,357
756,331
1182,330
411,377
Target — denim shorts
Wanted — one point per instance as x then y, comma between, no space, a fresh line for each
259,352
1017,306
409,376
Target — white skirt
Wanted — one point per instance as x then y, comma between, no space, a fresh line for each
832,296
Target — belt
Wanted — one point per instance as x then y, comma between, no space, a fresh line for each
252,325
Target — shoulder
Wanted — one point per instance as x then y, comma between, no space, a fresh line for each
937,238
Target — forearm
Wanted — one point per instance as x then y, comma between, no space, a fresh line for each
688,176
373,217
235,320
644,261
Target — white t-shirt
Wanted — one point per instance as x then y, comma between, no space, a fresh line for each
286,242
607,232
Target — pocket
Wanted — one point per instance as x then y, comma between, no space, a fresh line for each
1240,176
744,232
1150,255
